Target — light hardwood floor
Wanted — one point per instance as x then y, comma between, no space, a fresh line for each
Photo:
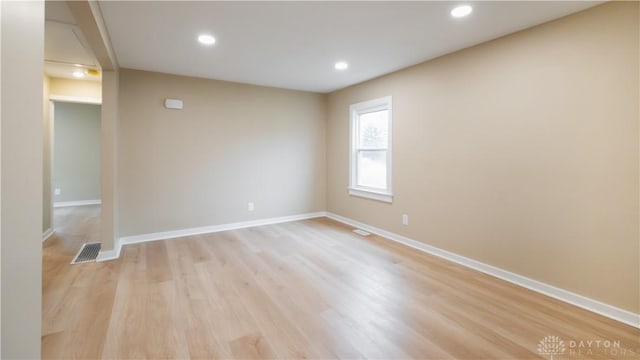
307,289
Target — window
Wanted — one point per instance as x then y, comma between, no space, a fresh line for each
370,162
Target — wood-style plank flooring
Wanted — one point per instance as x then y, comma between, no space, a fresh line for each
306,289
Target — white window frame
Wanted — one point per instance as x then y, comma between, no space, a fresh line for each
355,110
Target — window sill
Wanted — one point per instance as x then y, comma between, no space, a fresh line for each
388,198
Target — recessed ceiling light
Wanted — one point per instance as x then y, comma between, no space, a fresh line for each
206,39
78,74
461,11
341,65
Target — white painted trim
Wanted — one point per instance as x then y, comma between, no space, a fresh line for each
76,99
355,110
584,302
215,228
47,234
136,239
106,255
371,195
77,203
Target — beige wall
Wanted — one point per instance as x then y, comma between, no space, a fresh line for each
109,161
230,145
21,65
75,88
76,149
521,153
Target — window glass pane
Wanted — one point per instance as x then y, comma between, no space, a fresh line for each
372,169
374,129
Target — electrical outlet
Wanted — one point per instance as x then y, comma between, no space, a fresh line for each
405,219
250,206
57,191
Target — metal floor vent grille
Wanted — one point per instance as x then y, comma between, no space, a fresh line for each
361,232
88,252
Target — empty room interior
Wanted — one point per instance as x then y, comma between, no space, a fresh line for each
386,180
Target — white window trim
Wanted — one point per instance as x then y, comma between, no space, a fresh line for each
384,103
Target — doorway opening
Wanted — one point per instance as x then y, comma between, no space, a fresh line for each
75,149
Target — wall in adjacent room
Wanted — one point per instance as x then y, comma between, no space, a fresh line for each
59,88
521,153
76,152
75,88
47,217
231,144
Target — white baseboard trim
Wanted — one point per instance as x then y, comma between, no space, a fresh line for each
77,203
592,305
106,255
135,239
47,234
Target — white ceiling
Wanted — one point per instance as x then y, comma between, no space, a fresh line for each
295,44
65,47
